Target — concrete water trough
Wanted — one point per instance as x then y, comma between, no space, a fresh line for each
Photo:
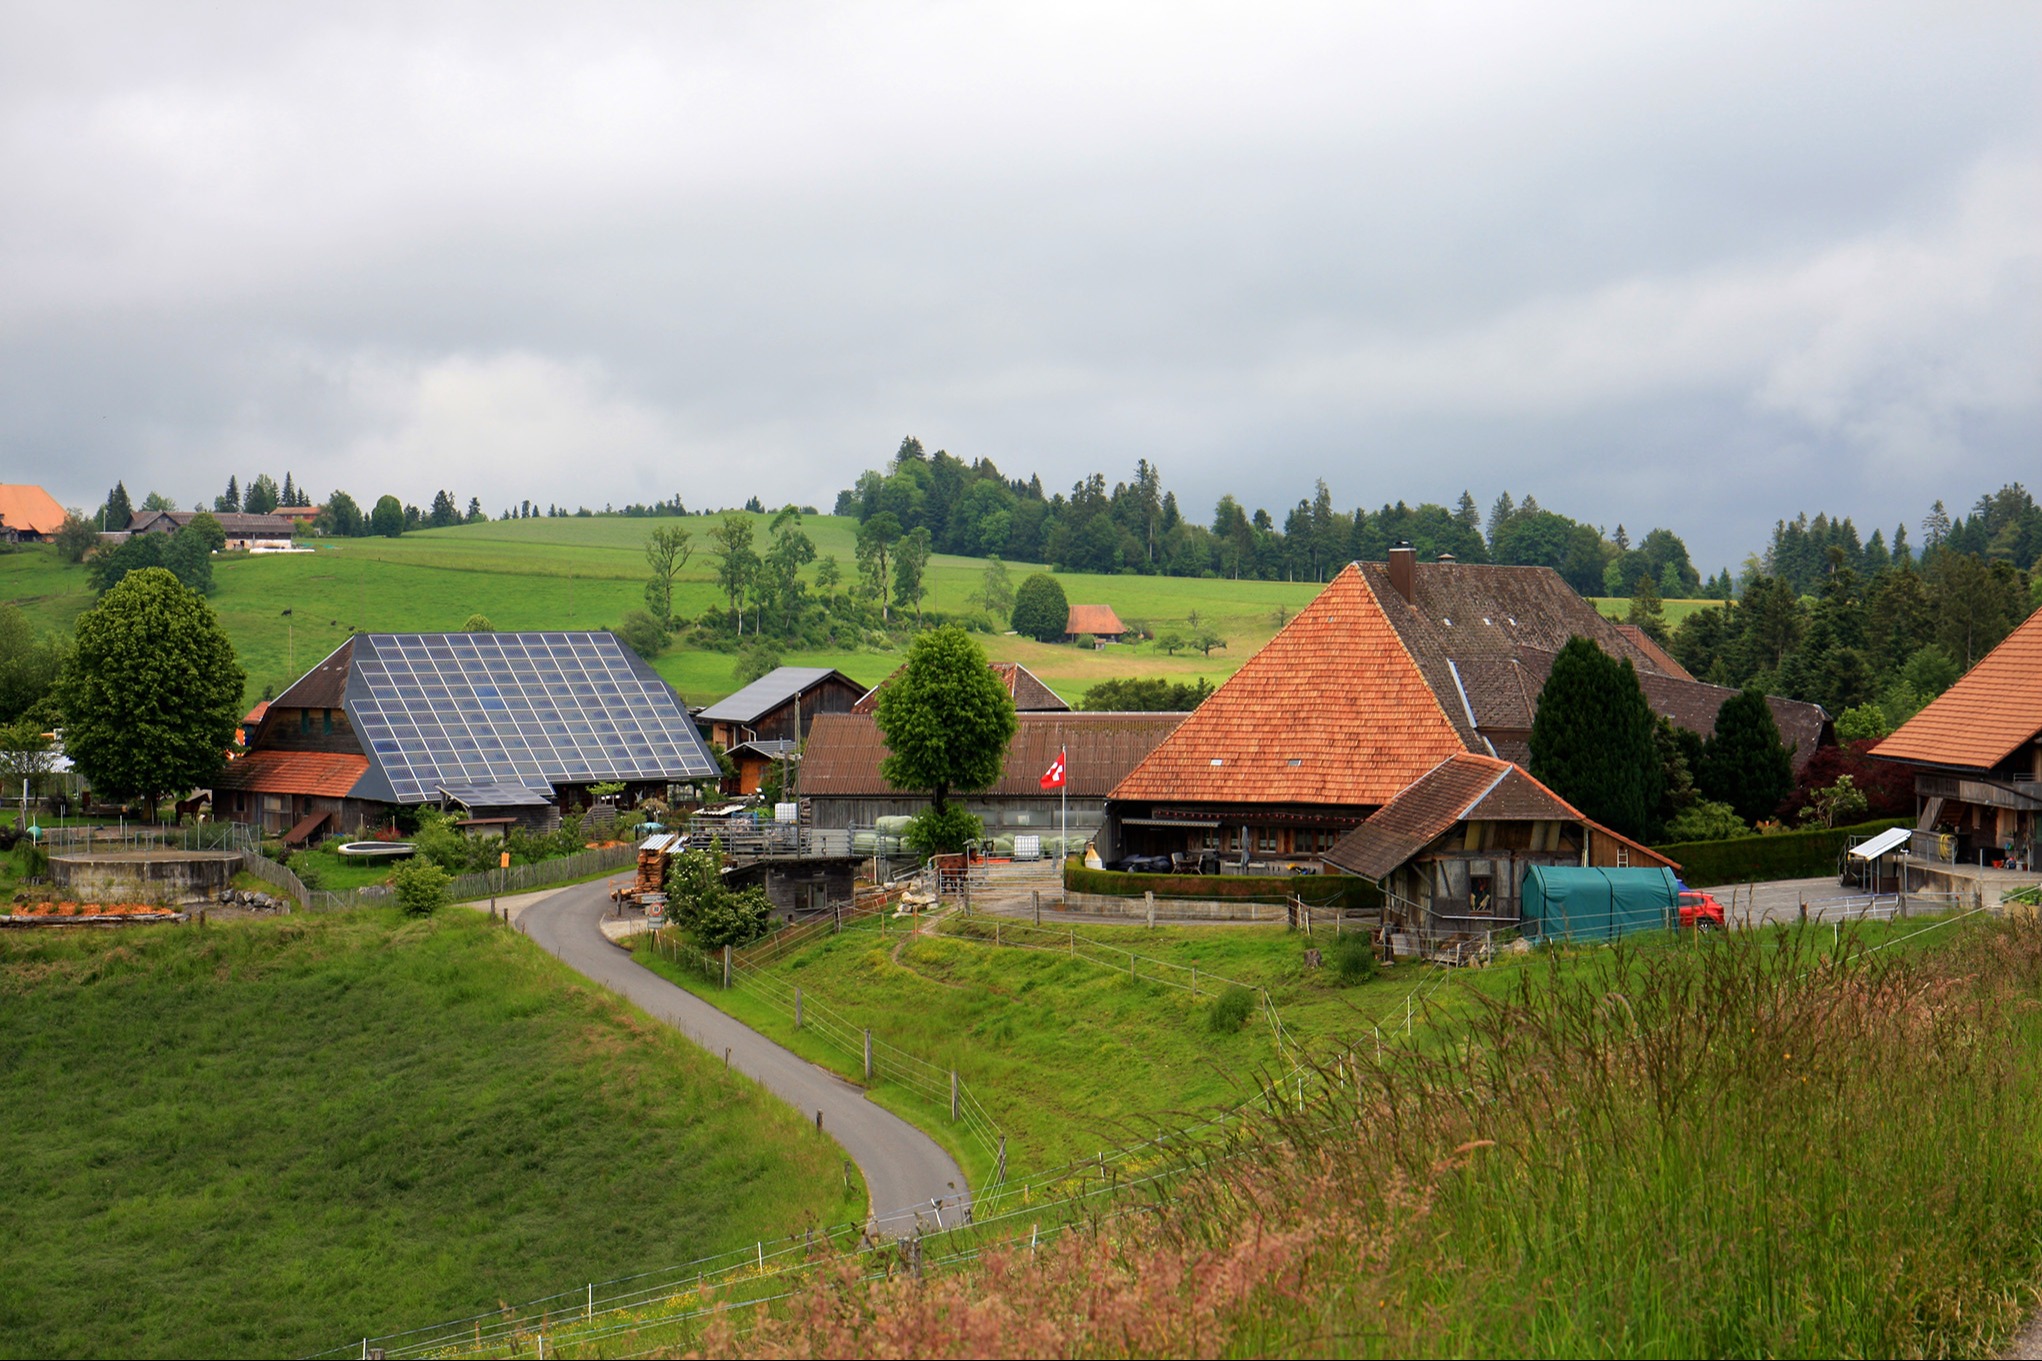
118,876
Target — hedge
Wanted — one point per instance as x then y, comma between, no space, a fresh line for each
1783,855
1319,890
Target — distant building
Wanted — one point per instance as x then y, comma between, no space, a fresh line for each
502,725
779,706
244,532
1097,621
1977,754
28,514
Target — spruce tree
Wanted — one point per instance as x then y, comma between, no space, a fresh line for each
1592,740
1745,764
118,509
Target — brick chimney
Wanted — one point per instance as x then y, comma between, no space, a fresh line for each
1404,570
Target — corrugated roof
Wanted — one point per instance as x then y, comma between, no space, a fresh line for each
1462,787
1992,710
492,794
327,774
1029,693
1095,620
23,505
769,692
1334,710
844,752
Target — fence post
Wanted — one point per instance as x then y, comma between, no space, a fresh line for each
868,1053
1149,906
1035,894
964,882
797,1008
953,1096
726,966
1074,942
1000,1167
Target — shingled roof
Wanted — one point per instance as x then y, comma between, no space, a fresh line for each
1992,711
326,774
1335,710
844,751
1462,787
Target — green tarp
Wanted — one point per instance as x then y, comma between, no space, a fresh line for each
1563,902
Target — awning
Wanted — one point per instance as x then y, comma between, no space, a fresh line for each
1169,822
1890,839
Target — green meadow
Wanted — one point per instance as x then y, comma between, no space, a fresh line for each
571,573
267,1138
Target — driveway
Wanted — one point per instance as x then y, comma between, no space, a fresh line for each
906,1173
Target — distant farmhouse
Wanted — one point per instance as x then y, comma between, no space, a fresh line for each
502,725
1977,754
1393,669
766,722
1093,621
28,514
244,532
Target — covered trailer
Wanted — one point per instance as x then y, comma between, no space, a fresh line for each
1568,902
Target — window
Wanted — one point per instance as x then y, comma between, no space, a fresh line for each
1265,838
326,717
304,720
1481,894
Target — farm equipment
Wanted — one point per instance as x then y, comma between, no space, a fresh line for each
648,887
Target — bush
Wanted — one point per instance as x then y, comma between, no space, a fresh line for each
1230,1010
729,918
1705,820
33,858
936,833
1354,959
421,887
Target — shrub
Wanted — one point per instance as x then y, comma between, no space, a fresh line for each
1781,855
1705,820
1354,959
421,887
936,831
729,918
1230,1010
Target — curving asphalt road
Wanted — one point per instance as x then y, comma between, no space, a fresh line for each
907,1174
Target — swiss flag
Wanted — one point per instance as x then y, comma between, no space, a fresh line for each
1053,778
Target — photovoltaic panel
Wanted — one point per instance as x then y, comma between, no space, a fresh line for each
533,709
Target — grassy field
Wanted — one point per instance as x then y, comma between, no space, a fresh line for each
1071,1056
267,1138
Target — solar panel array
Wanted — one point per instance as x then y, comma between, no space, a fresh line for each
534,709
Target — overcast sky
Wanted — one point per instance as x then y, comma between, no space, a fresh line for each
1691,265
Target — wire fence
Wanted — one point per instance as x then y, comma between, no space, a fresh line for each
139,836
468,888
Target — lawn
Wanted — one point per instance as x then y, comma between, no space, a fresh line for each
267,1138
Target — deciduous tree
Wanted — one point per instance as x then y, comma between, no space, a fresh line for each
152,695
1040,609
667,550
946,718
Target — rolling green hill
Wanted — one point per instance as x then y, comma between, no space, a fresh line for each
586,572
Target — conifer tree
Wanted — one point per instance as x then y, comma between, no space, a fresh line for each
1745,764
1592,740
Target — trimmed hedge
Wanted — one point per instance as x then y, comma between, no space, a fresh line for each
1319,890
1783,855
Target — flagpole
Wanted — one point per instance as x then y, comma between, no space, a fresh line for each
1063,790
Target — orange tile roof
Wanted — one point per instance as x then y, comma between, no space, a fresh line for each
1095,620
324,773
1992,710
1333,711
27,506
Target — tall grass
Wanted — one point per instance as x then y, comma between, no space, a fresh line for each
1758,1147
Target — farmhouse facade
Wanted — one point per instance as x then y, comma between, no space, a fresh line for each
244,532
503,725
779,706
1393,669
1976,751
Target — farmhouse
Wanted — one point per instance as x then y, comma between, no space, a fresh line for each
1026,689
28,514
1392,669
841,785
1451,851
244,532
1977,754
504,725
1094,621
780,705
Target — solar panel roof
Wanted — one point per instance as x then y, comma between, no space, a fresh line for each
530,709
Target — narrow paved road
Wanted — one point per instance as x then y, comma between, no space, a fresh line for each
906,1173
